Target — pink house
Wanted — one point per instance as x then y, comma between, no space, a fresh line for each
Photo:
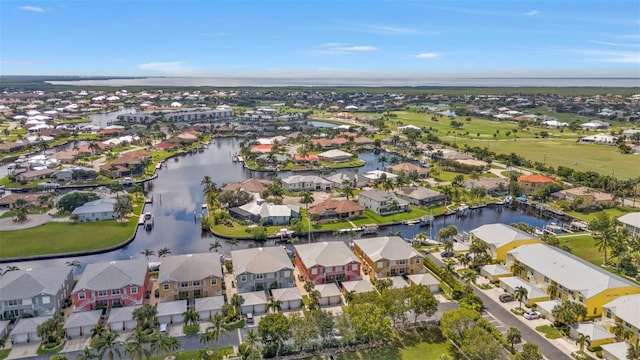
111,284
327,262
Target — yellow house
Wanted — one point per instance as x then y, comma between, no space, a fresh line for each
388,256
190,276
624,313
566,277
501,238
588,197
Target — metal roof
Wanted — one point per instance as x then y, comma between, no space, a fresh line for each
189,267
260,260
333,253
387,248
113,275
23,284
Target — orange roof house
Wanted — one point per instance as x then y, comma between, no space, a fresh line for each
298,158
534,182
336,209
262,148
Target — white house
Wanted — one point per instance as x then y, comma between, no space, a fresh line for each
209,306
26,330
171,312
101,209
121,319
631,222
335,156
81,323
306,183
382,203
290,298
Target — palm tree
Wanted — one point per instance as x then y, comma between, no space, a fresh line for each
518,268
108,343
513,336
552,290
307,198
161,342
76,264
275,305
122,207
135,345
583,340
448,246
382,159
191,317
469,277
252,339
215,245
520,294
147,252
309,286
465,259
633,351
236,302
348,191
214,331
164,252
603,240
98,330
116,188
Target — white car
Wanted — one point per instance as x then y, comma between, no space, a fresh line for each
530,315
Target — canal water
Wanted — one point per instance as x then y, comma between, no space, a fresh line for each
177,198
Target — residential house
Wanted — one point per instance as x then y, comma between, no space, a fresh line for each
306,159
111,284
262,268
397,282
252,185
101,209
26,330
425,279
501,238
616,351
567,277
595,125
190,276
534,182
624,311
379,175
9,147
35,175
382,203
535,293
18,200
631,222
255,302
171,312
409,169
207,307
34,291
340,180
597,333
327,262
493,186
306,183
289,298
357,286
419,195
585,197
121,319
331,209
268,214
335,156
81,324
494,272
388,256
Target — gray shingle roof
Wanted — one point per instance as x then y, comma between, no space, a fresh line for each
423,279
23,284
387,247
632,219
28,325
286,294
85,318
189,267
113,275
334,253
326,290
500,234
172,307
358,286
260,260
209,303
96,206
255,298
121,314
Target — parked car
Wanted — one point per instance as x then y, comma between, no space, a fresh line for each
447,254
505,298
249,319
530,315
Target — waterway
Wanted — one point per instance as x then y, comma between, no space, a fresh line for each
177,195
103,119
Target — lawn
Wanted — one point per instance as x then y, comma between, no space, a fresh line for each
218,354
422,344
415,213
584,247
55,238
549,331
591,215
4,353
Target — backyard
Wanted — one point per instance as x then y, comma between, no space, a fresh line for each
423,344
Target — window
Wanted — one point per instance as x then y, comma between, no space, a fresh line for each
379,264
287,273
115,291
102,293
418,261
81,296
116,302
546,279
196,283
580,298
401,262
608,314
13,302
402,271
214,281
243,278
354,267
46,299
165,286
184,284
134,290
259,276
314,271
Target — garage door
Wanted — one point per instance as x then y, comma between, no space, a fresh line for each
75,331
260,309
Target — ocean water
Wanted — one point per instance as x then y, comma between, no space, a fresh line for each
360,82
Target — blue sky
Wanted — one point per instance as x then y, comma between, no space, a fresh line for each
552,38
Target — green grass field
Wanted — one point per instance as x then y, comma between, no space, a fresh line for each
549,332
413,345
55,238
591,215
584,247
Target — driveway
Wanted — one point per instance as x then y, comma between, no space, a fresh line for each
76,344
19,351
33,220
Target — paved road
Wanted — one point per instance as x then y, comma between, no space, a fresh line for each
508,319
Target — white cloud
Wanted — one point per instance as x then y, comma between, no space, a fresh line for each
170,68
332,48
532,13
332,44
356,48
430,55
614,44
384,29
32,8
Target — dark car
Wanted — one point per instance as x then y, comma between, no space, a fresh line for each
447,254
505,298
249,318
